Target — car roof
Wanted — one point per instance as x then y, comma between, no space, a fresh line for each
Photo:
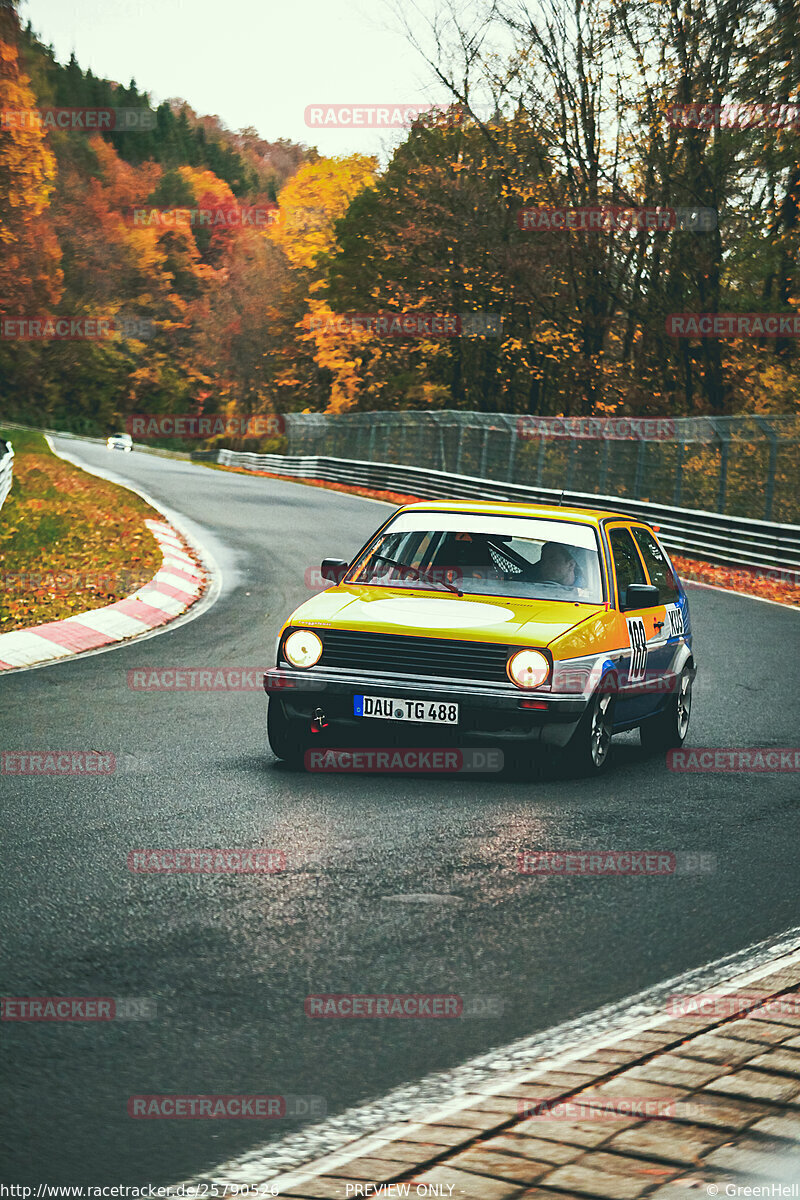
585,516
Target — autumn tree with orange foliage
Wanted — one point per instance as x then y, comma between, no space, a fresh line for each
211,300
243,320
322,371
29,274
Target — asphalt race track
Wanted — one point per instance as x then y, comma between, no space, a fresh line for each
229,959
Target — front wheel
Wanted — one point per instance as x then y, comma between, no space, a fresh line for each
284,737
587,751
668,729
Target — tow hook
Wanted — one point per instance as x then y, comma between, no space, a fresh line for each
318,721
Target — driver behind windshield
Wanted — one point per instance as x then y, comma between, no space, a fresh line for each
556,565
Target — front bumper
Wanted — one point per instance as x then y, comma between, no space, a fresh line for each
487,711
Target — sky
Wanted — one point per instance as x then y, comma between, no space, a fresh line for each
251,62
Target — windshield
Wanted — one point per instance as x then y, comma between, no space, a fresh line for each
493,556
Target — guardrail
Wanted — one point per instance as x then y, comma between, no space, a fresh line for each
6,469
731,541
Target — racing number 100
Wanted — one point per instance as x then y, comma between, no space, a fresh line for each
638,640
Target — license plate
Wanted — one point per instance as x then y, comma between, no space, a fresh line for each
418,712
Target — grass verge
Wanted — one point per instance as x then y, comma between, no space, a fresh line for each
69,541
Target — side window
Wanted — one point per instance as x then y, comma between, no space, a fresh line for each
627,564
659,570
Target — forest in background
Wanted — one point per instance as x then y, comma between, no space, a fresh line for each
240,320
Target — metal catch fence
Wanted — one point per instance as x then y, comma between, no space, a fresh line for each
746,466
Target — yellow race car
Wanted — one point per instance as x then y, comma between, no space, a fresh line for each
533,628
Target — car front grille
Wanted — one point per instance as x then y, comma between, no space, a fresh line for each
433,658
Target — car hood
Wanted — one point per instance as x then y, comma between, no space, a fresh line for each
442,614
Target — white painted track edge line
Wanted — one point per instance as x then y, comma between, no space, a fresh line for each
361,1144
393,1132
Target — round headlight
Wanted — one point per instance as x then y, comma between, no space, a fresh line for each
302,648
528,668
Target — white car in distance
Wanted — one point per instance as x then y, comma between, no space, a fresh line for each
119,441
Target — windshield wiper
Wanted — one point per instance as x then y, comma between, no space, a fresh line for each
419,574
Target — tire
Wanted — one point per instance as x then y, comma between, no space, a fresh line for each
668,729
285,739
589,749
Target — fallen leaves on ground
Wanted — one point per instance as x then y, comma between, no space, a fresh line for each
780,583
69,541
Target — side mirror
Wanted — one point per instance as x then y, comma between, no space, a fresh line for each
639,595
335,569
